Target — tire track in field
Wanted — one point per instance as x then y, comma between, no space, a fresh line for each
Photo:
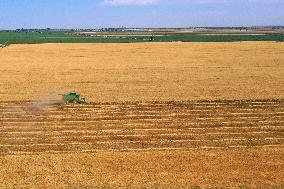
141,126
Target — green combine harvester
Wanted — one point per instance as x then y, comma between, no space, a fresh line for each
73,97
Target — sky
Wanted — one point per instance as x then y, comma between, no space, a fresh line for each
69,14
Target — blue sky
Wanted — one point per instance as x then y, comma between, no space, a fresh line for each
138,13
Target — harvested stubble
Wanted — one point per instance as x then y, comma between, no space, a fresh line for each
141,126
157,144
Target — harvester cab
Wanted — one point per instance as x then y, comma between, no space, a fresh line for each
73,97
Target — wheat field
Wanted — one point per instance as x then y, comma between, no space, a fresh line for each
144,71
159,115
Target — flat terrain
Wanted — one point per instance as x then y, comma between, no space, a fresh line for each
136,126
229,143
160,115
144,71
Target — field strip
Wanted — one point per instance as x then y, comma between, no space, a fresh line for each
22,152
119,141
51,135
27,119
173,114
255,117
264,113
107,119
251,135
143,130
90,130
148,120
152,106
89,110
162,103
144,111
186,109
217,128
153,113
90,123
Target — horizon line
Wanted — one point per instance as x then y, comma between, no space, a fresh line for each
190,27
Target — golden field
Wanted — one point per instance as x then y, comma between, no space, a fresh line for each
145,169
160,115
144,71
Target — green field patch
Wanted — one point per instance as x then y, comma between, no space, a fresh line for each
15,37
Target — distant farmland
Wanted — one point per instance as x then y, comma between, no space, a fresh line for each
33,37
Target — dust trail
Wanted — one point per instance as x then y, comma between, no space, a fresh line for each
34,106
42,104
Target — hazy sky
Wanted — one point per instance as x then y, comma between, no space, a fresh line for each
138,13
